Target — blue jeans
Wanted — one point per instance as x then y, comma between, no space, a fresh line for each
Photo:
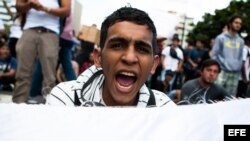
171,82
64,59
172,94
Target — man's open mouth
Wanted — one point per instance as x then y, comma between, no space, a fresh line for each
125,80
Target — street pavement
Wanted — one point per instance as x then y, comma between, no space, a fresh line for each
5,96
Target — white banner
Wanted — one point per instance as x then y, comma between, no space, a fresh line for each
182,123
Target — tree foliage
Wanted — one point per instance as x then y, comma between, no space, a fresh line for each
212,25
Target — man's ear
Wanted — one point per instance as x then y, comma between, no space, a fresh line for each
155,64
97,57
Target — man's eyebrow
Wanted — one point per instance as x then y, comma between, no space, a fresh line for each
137,42
117,39
145,44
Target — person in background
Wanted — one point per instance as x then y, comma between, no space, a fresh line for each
65,53
126,57
243,86
39,40
60,75
85,56
228,51
203,89
155,81
65,62
195,58
172,60
211,44
8,67
187,67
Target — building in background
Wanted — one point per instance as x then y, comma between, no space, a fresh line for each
167,22
184,27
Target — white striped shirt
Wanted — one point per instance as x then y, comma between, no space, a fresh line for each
65,93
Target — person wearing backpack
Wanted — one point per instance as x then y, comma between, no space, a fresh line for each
172,61
40,39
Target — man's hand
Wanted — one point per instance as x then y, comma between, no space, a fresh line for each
35,4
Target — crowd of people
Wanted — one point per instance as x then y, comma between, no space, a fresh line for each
200,74
131,67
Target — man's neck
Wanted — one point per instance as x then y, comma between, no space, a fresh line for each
232,33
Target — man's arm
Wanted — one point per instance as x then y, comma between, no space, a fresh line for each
216,48
12,72
24,6
180,64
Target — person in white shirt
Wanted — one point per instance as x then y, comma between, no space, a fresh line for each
126,57
244,81
40,39
172,60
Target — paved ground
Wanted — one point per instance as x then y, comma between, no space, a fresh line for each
5,97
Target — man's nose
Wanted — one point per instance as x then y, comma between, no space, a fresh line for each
130,56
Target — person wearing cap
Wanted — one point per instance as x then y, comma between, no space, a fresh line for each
172,60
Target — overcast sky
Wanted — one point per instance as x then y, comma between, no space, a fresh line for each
94,11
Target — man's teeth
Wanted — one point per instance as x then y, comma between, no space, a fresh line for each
127,74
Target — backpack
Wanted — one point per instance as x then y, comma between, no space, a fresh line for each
173,53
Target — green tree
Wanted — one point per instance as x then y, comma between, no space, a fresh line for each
212,25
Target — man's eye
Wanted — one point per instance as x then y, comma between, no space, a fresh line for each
116,45
143,49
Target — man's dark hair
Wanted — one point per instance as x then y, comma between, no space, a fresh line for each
210,62
231,20
128,14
